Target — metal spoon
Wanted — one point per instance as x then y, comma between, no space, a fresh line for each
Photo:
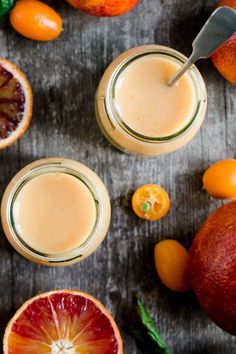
220,26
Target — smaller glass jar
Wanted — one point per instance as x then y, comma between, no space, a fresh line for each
112,123
90,183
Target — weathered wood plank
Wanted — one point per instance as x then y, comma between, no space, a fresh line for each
64,75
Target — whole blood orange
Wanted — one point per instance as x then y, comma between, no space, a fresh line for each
224,58
16,101
213,267
65,322
103,7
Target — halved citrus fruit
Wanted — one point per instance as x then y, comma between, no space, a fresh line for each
16,102
62,322
150,202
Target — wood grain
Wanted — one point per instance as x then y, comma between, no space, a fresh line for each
64,75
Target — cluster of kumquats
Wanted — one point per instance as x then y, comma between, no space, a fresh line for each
209,267
151,202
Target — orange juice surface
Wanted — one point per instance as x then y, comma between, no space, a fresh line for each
54,213
145,102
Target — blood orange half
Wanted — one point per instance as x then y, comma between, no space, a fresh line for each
16,101
62,322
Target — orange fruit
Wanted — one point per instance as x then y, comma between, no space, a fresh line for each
172,265
36,20
62,321
16,102
150,202
104,7
212,267
219,180
224,57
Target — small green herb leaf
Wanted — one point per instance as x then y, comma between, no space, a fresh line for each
146,333
5,7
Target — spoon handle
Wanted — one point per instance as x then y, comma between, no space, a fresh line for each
220,26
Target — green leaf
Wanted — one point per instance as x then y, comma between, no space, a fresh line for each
5,7
146,332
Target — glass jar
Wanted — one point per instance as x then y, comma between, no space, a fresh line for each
126,139
58,166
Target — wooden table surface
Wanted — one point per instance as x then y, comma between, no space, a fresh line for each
64,75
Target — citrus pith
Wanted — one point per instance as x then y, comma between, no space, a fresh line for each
65,322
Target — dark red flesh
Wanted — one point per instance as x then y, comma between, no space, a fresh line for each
12,101
56,314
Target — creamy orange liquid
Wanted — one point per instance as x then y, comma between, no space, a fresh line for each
54,213
147,105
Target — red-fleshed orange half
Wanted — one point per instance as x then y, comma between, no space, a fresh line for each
16,103
62,322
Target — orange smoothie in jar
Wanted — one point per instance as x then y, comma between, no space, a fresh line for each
145,101
138,112
55,211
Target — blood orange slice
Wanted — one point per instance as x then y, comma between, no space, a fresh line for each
62,322
16,101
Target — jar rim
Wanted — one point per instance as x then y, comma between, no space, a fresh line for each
44,168
196,77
